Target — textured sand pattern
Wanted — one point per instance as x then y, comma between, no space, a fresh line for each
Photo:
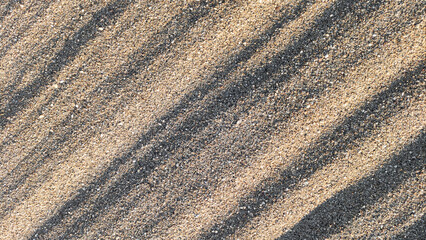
208,119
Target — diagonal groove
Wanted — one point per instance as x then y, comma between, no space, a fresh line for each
199,119
417,230
140,59
8,8
198,94
16,37
172,179
243,56
69,51
358,126
331,216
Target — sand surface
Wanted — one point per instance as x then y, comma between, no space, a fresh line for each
207,119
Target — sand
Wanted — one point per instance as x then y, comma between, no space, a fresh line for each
207,119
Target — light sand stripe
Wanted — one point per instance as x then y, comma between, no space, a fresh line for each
234,18
58,18
111,63
87,65
345,171
332,108
243,18
20,21
173,76
385,216
100,155
144,210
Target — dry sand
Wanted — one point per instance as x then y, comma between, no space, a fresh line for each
206,119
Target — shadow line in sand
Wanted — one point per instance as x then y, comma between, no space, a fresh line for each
330,17
15,36
416,230
173,32
358,126
69,51
194,123
8,8
334,214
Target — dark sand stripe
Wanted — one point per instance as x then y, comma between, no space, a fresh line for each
330,217
71,48
360,125
183,153
104,93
